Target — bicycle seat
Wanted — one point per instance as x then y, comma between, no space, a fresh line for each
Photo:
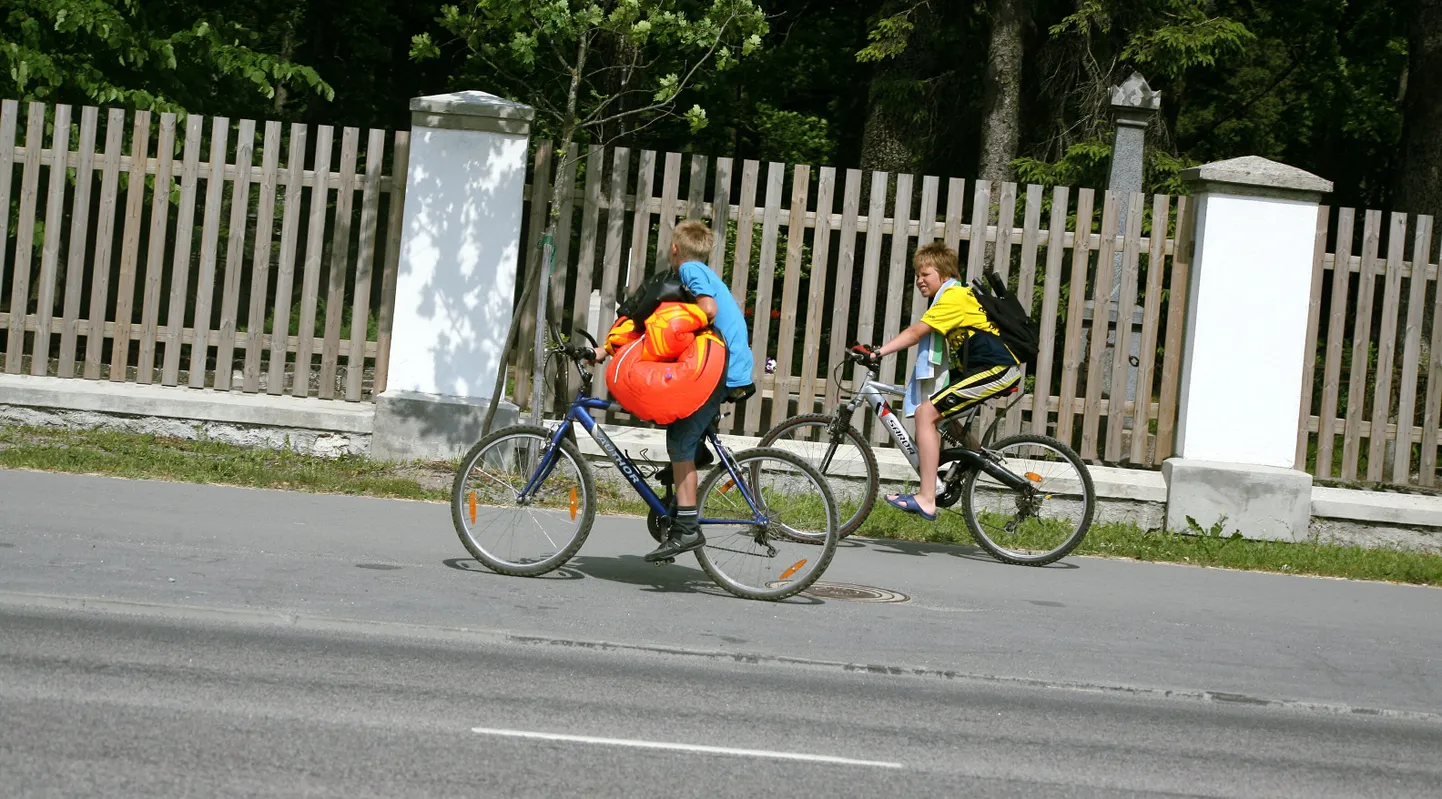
739,393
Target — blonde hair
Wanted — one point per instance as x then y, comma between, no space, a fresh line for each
693,241
940,257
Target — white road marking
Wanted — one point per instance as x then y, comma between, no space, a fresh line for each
710,750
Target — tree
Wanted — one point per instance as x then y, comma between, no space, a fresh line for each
1419,184
170,55
1001,112
589,66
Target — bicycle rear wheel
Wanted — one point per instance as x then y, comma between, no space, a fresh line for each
847,462
1041,523
785,552
531,537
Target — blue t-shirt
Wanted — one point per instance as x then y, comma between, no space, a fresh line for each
729,322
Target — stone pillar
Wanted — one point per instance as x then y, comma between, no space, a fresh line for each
459,247
1247,307
1134,104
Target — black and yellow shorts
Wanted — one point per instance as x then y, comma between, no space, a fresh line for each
973,387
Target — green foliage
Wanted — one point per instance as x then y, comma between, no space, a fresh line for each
793,137
587,66
166,55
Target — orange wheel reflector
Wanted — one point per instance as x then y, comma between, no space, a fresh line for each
473,507
730,484
794,569
573,503
1034,477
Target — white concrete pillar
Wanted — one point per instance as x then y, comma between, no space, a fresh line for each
1247,307
460,243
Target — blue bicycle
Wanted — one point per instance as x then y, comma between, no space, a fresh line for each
524,500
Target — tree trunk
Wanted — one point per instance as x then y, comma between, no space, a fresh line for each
1419,180
1001,102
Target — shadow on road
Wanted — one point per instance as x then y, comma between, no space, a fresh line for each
469,565
920,549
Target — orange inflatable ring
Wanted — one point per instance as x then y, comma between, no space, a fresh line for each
664,391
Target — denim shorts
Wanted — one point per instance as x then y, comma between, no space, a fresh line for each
684,436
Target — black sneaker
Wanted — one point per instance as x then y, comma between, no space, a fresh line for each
677,543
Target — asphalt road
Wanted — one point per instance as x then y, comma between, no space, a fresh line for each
165,639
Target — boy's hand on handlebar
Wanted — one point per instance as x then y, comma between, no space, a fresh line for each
871,356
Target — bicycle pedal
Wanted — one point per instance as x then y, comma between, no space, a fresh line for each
664,561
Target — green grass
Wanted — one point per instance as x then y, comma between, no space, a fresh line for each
144,456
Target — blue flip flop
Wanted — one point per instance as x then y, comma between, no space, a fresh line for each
908,504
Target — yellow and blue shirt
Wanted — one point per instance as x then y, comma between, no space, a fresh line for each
971,338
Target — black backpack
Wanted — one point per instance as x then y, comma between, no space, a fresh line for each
1018,332
664,286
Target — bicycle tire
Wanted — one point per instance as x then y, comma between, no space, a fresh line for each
872,479
1072,541
460,504
747,462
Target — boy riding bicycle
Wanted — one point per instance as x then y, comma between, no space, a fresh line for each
963,362
691,244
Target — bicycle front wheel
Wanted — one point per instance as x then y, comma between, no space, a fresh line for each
1038,524
772,534
523,535
846,460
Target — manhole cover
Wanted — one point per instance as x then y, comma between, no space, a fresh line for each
853,593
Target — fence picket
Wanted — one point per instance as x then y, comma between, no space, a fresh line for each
611,261
314,249
976,241
1386,348
955,200
24,236
104,240
1101,316
641,221
670,188
535,226
720,214
1026,286
1411,352
79,233
1432,409
1151,318
866,324
209,243
696,188
155,255
50,249
260,260
896,282
741,267
9,110
129,248
1361,340
841,314
234,254
561,264
926,233
1179,290
1122,343
390,268
339,255
586,262
1314,318
765,278
1005,230
355,359
816,299
1051,298
1336,329
285,269
1072,353
790,289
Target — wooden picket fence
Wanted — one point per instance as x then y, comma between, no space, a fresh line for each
1355,385
815,277
153,307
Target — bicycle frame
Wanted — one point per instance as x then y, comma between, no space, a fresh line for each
580,413
874,393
